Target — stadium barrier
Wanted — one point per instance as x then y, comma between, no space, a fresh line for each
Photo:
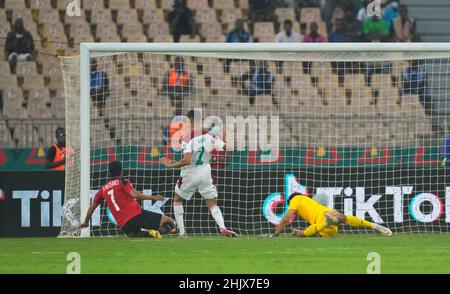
31,202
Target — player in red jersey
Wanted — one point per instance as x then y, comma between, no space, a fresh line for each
120,196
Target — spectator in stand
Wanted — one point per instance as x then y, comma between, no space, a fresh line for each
177,84
313,37
338,35
181,20
259,81
414,82
287,36
99,88
19,44
362,13
376,29
352,26
237,35
391,12
262,10
404,26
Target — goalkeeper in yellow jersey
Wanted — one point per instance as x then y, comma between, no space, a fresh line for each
323,222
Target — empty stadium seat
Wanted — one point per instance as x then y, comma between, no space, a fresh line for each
215,39
308,15
205,15
119,4
127,16
145,4
197,4
101,16
40,4
26,68
92,4
14,4
167,5
223,4
230,15
152,15
48,16
285,13
189,39
263,29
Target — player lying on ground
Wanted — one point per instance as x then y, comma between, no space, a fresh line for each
323,221
120,196
195,175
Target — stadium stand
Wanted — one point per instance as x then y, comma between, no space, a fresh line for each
35,91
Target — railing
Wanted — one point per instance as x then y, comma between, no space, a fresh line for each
30,132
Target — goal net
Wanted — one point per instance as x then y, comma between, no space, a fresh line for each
361,131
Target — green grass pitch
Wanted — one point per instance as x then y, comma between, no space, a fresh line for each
404,253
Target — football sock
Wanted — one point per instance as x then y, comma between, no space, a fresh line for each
166,227
217,215
179,211
357,222
313,230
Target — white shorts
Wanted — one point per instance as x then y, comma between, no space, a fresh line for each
20,57
202,182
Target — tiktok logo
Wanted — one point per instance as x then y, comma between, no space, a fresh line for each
275,199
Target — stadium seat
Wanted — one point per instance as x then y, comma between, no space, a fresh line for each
40,4
136,38
119,4
205,15
32,81
79,29
92,4
308,15
4,30
58,107
230,15
24,14
163,39
215,39
55,44
167,5
131,29
100,16
210,29
127,16
158,29
145,4
283,13
51,30
189,39
197,4
152,15
223,4
263,29
243,4
26,68
6,78
61,5
14,4
3,19
48,16
38,94
106,29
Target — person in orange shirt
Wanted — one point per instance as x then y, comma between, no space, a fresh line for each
56,155
177,83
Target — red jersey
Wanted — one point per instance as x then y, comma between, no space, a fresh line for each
117,195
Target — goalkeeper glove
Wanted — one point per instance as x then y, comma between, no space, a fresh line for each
444,162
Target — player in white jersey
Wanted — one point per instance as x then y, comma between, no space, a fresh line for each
196,176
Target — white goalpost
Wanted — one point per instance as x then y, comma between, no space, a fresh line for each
361,124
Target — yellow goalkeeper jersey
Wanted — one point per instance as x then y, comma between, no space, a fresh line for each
308,209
